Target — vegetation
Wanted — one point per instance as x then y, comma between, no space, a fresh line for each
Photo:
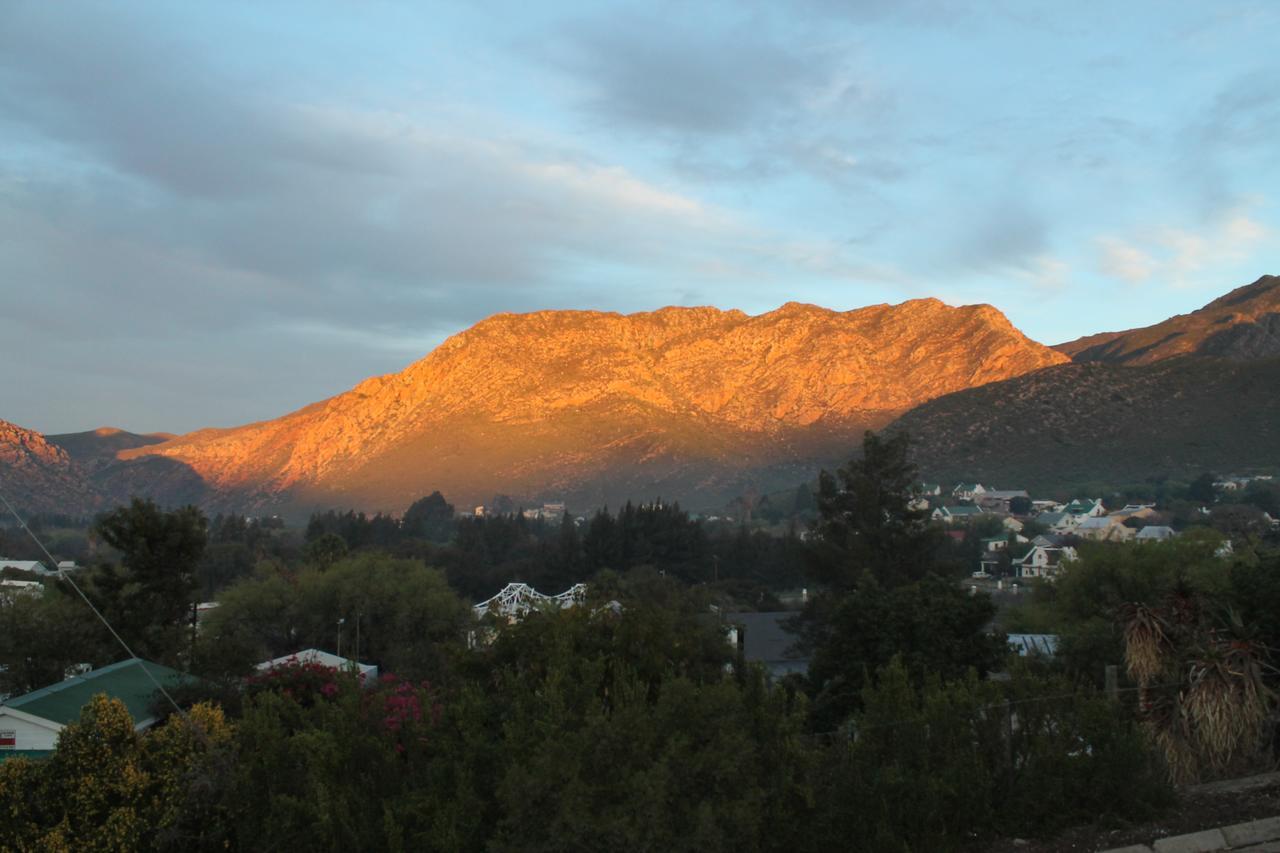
629,722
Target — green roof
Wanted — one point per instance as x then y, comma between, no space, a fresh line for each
964,509
126,681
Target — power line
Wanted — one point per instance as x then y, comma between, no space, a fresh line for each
64,575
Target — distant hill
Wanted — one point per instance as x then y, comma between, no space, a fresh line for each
1081,424
38,476
1244,324
101,445
685,403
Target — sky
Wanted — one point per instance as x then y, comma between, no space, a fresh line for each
215,213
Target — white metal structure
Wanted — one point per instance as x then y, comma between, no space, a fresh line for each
517,599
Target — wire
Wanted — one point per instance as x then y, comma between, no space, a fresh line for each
62,574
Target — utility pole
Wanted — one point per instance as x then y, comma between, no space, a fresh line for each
357,660
340,621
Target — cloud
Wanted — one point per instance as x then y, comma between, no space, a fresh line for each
666,75
1180,257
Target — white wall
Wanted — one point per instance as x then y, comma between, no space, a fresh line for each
28,734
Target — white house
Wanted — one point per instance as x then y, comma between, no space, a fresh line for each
956,514
1059,522
967,491
1155,533
1043,561
31,723
368,672
1086,508
34,566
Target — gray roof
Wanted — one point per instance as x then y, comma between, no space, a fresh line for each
1156,531
1041,644
766,640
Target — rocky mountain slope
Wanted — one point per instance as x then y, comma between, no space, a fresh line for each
1080,425
38,476
1244,324
589,406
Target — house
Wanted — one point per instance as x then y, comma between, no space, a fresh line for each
35,567
1058,522
929,489
766,639
11,589
31,723
967,491
1155,533
1043,561
1134,511
1045,645
1105,528
999,499
368,672
956,514
1087,508
1012,524
995,543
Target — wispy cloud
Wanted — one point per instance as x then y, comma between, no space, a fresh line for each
1180,257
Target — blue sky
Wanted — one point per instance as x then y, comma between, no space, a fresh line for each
215,213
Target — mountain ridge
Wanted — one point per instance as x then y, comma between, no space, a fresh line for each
1241,324
657,399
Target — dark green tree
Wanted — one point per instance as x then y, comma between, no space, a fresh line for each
429,518
149,596
867,524
1201,489
933,626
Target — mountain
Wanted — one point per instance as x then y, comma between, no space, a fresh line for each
1244,324
687,403
1077,426
100,446
38,476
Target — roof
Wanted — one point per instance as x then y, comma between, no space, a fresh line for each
22,565
316,656
1005,494
963,509
967,487
1155,531
1101,522
1042,644
765,636
1052,518
127,681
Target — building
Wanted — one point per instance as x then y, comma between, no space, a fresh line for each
1043,561
1155,533
31,723
999,499
956,514
1045,645
368,672
1107,528
35,567
1085,508
765,638
967,491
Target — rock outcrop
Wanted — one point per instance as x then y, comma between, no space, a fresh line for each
1243,325
592,406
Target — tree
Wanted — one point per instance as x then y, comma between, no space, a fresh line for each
429,518
867,523
1020,505
325,550
149,597
1201,489
933,626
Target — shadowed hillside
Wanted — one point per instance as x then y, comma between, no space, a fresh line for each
1244,324
1084,424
